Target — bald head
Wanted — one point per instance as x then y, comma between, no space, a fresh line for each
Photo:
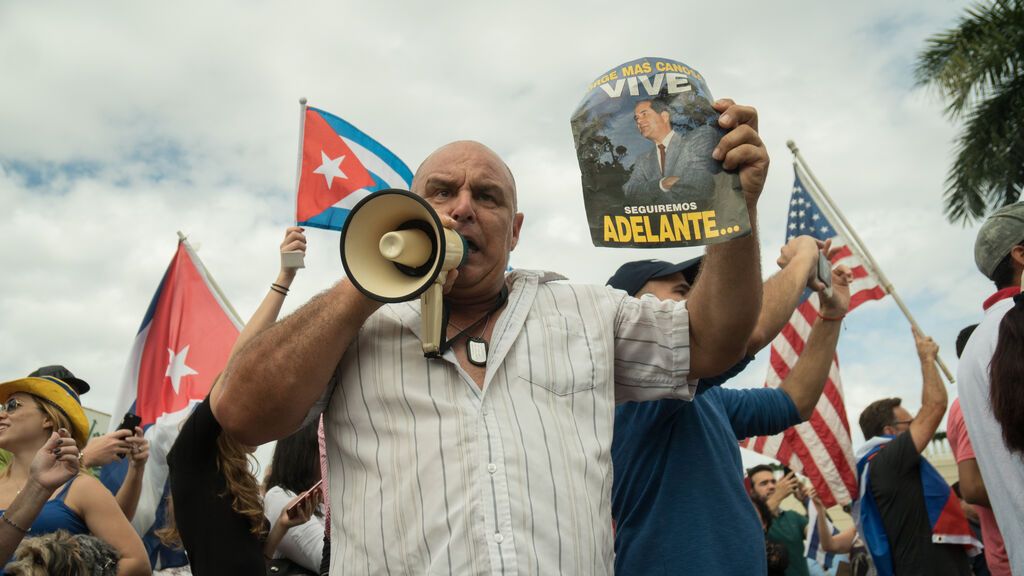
461,152
467,182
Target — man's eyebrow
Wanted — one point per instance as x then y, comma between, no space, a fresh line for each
487,184
438,180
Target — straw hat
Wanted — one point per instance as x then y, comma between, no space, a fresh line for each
56,392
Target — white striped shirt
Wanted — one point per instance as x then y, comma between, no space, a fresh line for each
429,474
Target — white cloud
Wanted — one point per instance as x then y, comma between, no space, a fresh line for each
127,123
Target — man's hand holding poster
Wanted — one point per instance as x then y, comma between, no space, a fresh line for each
644,136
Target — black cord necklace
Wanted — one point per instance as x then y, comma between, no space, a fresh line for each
476,346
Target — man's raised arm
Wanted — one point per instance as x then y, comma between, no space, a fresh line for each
798,261
806,381
933,393
270,384
724,305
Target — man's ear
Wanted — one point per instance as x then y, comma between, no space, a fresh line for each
1017,255
517,225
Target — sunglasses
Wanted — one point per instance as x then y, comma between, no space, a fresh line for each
11,405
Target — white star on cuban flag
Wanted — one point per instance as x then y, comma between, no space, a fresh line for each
177,369
331,168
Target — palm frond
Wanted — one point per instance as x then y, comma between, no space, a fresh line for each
985,49
989,168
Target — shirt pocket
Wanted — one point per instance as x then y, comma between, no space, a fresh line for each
555,354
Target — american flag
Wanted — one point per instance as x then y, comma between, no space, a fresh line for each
819,448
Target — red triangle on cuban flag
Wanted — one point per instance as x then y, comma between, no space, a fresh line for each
184,341
329,171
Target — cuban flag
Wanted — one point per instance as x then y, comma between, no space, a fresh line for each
182,345
949,525
339,166
812,548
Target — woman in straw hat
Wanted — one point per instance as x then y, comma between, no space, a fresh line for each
31,410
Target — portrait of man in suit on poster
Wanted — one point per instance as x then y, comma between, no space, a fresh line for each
678,166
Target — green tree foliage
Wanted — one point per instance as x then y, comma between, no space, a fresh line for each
978,68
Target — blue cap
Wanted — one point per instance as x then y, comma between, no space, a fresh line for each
632,276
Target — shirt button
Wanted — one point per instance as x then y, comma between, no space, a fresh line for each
492,467
499,538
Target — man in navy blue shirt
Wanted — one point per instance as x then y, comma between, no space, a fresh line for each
678,498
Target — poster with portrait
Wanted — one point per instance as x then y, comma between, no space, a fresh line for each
644,135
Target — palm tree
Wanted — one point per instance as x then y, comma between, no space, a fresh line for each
978,66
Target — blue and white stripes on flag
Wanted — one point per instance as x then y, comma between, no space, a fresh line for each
812,548
385,169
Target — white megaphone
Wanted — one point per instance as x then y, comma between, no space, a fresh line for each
394,248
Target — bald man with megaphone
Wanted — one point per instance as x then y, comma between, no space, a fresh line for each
494,452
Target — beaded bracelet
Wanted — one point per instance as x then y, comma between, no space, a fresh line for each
12,524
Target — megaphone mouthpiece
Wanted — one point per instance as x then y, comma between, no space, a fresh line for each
407,247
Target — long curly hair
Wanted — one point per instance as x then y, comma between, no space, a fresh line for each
1006,373
237,464
64,554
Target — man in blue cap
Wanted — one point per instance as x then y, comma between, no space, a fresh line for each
678,499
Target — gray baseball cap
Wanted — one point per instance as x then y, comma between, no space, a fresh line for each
1003,230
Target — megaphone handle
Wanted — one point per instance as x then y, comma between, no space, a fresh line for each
432,314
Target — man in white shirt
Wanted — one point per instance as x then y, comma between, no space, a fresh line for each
999,254
449,466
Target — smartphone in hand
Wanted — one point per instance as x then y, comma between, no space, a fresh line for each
129,422
825,273
291,510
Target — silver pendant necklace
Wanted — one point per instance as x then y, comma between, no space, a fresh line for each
476,346
476,350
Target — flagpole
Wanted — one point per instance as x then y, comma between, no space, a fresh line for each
824,199
298,163
213,283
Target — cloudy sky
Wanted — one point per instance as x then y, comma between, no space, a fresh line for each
123,123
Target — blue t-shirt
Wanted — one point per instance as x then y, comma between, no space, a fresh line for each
678,498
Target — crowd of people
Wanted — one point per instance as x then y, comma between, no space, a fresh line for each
594,436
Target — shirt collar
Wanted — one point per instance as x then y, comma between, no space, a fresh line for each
518,281
542,276
668,138
1008,292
